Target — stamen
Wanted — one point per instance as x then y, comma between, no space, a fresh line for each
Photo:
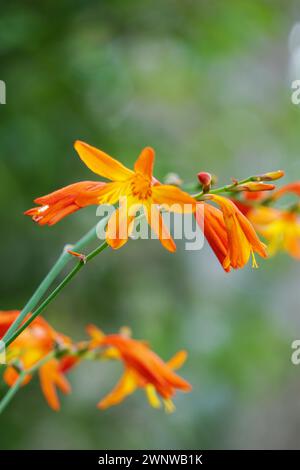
169,406
254,262
152,396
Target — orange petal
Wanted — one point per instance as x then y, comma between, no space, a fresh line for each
126,386
118,227
57,205
157,224
72,191
174,198
50,377
96,335
252,236
263,215
145,162
11,375
215,232
101,163
6,319
292,244
178,360
242,237
293,188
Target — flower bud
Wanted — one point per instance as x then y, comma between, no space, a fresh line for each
271,176
254,186
205,180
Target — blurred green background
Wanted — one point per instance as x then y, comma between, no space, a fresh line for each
208,85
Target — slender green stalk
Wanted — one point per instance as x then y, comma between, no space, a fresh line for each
62,261
56,291
15,387
223,189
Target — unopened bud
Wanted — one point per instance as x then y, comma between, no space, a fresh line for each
271,176
205,179
253,187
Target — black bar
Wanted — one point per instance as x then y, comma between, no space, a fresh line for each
134,458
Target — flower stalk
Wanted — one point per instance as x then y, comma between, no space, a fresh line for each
13,390
57,268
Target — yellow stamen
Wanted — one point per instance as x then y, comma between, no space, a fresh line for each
254,262
152,396
169,406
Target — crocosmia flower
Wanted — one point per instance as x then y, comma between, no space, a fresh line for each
133,189
230,234
143,369
34,343
281,229
279,226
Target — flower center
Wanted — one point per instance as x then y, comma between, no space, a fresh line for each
141,186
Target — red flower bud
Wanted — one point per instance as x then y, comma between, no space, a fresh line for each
205,179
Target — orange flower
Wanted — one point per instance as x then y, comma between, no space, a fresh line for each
65,201
143,369
137,188
293,188
216,234
34,343
230,234
280,228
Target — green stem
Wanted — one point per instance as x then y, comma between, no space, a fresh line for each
56,291
15,387
62,261
223,189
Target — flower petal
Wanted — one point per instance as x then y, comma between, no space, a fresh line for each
101,163
6,319
145,162
293,188
242,238
157,224
50,378
112,192
174,198
126,386
215,232
57,205
10,376
178,360
119,226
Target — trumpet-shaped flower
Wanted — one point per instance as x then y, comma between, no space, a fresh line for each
143,369
132,188
34,343
230,234
65,201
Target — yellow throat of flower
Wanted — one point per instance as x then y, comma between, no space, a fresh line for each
141,186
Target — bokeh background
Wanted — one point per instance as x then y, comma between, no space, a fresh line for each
208,85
